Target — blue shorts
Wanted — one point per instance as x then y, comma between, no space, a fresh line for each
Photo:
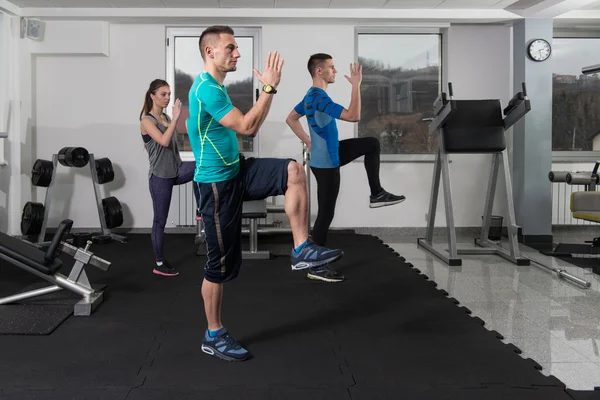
221,207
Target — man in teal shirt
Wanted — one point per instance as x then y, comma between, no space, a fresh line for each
226,179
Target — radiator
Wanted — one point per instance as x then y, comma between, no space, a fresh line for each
183,205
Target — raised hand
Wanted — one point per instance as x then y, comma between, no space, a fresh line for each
272,73
176,109
355,77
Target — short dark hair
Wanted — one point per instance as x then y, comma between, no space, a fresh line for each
315,61
210,35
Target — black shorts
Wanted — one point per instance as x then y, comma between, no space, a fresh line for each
221,208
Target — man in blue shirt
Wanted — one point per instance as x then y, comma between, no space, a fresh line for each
328,154
226,179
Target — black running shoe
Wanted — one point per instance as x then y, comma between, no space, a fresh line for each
325,273
385,199
165,270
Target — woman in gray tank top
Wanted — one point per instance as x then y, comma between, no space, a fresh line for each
166,168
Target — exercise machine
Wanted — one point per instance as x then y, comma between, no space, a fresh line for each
473,127
34,218
584,205
46,264
477,127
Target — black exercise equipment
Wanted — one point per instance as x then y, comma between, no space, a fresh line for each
473,127
584,205
35,215
46,264
32,218
42,173
104,170
113,212
76,157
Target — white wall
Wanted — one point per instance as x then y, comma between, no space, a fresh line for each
94,101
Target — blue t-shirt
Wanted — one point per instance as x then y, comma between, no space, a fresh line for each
215,147
321,113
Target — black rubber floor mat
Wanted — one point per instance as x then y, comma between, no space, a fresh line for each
386,332
32,319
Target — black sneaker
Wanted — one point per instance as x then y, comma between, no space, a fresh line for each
385,199
325,273
165,270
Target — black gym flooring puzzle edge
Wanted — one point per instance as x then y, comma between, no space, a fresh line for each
346,369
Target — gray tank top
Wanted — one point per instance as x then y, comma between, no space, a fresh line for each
164,161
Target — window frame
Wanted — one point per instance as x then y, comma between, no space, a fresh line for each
440,29
566,156
173,32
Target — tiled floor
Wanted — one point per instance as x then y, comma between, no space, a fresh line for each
553,322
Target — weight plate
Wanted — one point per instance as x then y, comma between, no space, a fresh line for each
104,170
32,218
41,173
113,212
73,157
101,239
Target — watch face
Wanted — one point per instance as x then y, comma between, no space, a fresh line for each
539,50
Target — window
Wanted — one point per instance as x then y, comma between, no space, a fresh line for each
401,80
575,97
184,63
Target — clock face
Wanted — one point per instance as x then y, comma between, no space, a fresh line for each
539,50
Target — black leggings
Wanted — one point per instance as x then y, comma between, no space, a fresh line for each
328,181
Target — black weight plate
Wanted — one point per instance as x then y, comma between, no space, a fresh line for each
41,173
113,212
73,157
80,238
101,239
32,218
104,170
79,157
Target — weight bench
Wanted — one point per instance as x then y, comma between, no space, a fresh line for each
253,210
46,265
585,205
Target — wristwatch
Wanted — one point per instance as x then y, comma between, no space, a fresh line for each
269,89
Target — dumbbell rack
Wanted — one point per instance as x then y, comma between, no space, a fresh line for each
48,199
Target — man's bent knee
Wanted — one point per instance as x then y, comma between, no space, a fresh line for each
295,174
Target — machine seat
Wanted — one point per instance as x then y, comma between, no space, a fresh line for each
586,205
254,209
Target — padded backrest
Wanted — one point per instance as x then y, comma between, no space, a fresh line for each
14,249
61,235
475,127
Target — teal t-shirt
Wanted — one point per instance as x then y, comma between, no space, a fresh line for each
215,147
